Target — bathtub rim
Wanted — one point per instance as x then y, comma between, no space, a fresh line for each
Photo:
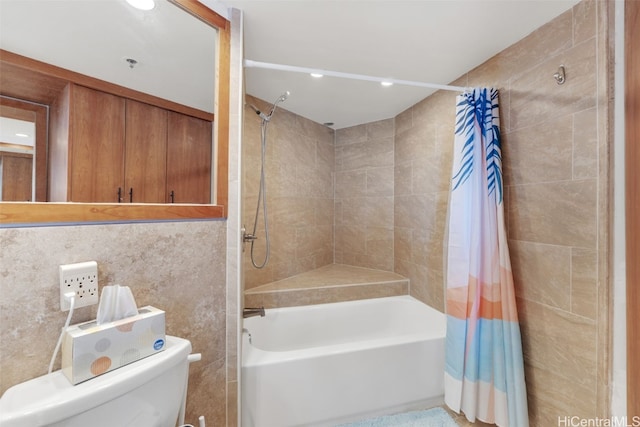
254,356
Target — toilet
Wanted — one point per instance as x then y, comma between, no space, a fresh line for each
148,393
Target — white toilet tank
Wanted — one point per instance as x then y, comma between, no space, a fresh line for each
146,393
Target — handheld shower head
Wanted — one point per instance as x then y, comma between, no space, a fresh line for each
282,98
267,117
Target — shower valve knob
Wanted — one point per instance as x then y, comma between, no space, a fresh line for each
248,237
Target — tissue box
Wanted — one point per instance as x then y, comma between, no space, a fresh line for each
89,349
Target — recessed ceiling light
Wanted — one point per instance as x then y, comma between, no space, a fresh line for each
385,83
316,75
22,135
142,4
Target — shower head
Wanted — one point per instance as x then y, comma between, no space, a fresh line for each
267,117
282,98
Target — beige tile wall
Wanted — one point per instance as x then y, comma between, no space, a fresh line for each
299,180
364,195
556,173
423,156
178,267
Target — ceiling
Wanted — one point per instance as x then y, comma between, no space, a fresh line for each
174,52
426,41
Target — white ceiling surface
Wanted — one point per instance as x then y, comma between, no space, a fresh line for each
420,40
175,51
425,41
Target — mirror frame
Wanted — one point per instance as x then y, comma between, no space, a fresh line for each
48,213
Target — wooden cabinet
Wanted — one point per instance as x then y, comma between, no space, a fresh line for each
189,159
17,171
110,149
86,142
96,144
145,157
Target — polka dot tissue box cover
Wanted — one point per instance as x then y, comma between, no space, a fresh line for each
89,349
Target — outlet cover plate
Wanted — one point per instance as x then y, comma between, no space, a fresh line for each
82,279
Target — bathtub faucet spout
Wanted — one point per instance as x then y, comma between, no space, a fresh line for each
252,312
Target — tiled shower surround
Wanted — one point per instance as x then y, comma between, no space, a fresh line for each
364,202
299,186
391,184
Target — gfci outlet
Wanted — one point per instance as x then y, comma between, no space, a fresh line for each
81,279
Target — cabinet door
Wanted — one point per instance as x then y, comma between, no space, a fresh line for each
96,146
145,153
189,159
17,171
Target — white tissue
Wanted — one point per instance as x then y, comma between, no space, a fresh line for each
116,302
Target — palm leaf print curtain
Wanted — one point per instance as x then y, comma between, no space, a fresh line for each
484,374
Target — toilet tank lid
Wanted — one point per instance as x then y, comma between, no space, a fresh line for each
52,397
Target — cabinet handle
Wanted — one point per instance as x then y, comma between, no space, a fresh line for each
119,194
171,196
131,195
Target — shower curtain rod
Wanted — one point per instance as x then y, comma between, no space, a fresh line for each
248,63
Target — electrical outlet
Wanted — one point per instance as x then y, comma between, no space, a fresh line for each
82,279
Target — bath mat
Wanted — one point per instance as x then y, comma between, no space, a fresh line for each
436,417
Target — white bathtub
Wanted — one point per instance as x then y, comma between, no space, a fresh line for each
325,364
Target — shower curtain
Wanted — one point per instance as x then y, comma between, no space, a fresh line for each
484,374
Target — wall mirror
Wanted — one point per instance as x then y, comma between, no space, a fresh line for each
174,57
